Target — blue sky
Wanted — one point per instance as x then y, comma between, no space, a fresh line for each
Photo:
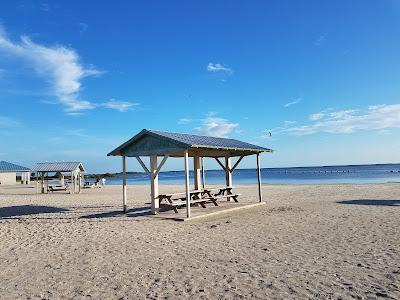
78,78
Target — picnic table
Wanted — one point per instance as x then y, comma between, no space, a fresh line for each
57,187
198,197
224,192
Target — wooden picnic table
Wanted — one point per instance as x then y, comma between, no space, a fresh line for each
198,197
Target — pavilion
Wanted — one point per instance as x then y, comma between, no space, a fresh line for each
74,169
156,144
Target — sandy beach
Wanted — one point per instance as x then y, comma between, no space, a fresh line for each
308,241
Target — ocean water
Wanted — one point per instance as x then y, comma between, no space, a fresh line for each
301,175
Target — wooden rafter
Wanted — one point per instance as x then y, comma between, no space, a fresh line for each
143,165
160,165
236,164
220,163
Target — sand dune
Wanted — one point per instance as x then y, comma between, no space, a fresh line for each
319,242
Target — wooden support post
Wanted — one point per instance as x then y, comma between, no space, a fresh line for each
37,182
124,206
196,172
203,174
79,182
259,178
155,205
228,174
42,182
187,184
73,181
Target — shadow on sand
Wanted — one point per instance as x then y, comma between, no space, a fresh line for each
25,210
133,213
371,202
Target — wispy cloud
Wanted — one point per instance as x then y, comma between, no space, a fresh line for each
316,116
83,27
184,121
294,102
8,125
121,106
59,65
320,40
62,69
215,68
377,117
217,127
45,7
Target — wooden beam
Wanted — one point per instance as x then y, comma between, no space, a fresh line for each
259,178
203,174
161,164
220,163
143,165
196,172
236,164
228,174
187,187
155,204
124,205
42,183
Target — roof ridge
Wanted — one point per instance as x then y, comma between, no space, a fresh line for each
199,135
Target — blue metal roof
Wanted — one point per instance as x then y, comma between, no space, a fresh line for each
198,141
10,167
154,142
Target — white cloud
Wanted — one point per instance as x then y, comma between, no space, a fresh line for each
6,122
45,7
288,123
214,68
293,102
121,106
83,27
316,116
217,127
320,40
184,121
59,65
8,125
378,117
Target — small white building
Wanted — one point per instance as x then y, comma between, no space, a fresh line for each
10,171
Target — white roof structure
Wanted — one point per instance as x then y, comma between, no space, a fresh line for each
59,167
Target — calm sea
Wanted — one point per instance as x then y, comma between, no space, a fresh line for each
304,175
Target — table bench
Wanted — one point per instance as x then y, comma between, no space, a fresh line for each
198,197
54,188
224,192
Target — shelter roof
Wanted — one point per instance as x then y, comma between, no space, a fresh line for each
10,167
58,166
154,142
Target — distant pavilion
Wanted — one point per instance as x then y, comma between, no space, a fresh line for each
73,169
155,144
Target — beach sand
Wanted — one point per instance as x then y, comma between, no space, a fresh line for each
308,241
